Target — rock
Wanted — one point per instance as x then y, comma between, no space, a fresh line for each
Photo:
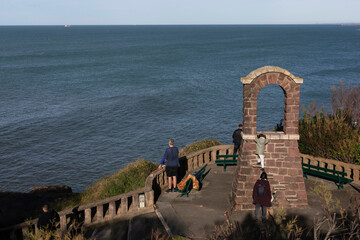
52,189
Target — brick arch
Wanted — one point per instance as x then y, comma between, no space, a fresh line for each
282,158
258,79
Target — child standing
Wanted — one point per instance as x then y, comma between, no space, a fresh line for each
261,141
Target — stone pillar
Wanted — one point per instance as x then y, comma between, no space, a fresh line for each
282,157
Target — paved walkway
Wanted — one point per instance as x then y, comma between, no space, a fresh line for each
196,215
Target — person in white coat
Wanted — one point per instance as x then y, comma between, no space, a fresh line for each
261,141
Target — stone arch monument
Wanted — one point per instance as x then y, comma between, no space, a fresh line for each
282,157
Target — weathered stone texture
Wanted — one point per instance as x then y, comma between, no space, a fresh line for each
282,157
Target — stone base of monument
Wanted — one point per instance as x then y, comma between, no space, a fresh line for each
283,166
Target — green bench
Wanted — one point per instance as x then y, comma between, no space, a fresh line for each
337,176
199,175
226,160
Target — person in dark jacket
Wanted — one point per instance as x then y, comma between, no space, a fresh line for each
48,219
262,196
171,160
237,138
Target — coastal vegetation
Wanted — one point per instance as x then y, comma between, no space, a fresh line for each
130,178
334,135
196,146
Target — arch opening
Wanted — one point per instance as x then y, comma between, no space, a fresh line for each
270,107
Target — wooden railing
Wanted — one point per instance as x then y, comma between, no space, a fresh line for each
352,170
128,204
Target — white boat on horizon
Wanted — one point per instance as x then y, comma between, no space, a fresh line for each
67,26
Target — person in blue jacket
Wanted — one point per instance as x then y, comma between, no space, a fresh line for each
171,160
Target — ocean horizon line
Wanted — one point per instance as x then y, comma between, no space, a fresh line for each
195,24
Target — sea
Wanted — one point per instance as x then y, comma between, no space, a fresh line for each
79,103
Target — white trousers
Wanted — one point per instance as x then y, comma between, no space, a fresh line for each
261,160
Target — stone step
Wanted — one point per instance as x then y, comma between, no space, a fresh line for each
256,165
279,187
291,198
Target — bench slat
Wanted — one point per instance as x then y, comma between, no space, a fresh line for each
324,169
226,160
337,176
227,156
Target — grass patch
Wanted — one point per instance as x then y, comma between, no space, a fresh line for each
196,146
128,179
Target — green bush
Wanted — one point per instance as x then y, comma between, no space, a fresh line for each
329,136
335,136
196,146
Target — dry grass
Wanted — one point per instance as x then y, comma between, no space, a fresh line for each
42,234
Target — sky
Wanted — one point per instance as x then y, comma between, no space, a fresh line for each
129,12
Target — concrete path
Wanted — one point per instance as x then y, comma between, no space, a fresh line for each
196,215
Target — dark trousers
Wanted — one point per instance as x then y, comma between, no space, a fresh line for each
236,147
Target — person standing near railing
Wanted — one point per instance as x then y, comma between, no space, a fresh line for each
47,221
237,138
171,161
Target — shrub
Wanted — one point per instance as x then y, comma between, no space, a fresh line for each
334,223
329,136
345,100
335,135
196,146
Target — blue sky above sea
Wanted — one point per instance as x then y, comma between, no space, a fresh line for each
115,12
